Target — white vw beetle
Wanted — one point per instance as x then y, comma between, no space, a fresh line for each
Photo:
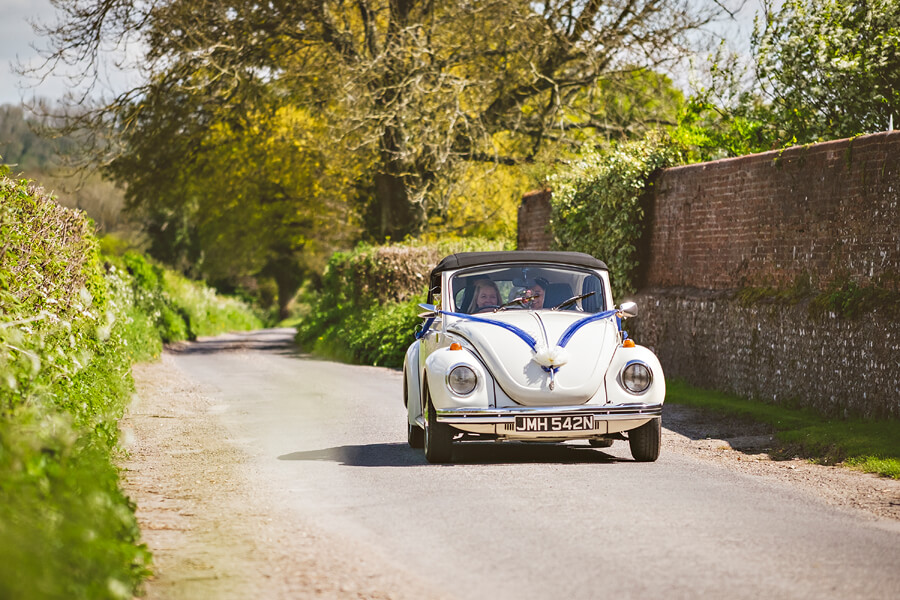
527,346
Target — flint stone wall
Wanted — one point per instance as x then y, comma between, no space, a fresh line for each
773,352
823,213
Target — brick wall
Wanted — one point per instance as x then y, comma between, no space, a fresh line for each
827,212
534,216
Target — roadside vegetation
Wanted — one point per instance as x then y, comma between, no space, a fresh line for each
366,309
72,322
868,445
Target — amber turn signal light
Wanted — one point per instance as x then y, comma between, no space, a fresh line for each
457,346
625,344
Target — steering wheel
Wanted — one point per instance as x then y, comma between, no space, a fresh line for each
487,307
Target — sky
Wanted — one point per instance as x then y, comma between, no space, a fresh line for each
17,38
17,42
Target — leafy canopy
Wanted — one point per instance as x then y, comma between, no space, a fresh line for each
416,86
830,67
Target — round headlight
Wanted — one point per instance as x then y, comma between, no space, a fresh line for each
462,380
636,377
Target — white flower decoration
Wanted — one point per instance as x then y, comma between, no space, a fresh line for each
550,357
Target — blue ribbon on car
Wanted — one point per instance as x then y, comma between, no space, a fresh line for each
524,335
425,328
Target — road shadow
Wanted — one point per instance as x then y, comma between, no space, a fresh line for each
399,454
741,434
277,341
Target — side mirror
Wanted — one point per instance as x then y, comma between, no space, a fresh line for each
430,311
628,309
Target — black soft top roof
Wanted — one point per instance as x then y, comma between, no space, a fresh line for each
471,259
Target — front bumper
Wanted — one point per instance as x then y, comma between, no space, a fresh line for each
609,419
502,416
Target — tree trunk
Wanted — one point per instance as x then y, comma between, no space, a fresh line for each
398,213
288,275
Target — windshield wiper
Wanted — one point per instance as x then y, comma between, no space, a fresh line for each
572,300
518,300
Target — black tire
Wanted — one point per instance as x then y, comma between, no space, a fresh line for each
415,437
600,443
645,441
438,437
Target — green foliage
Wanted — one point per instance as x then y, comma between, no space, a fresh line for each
831,67
261,195
204,311
67,530
152,299
842,298
709,131
366,310
850,300
179,308
70,328
386,332
597,203
377,336
873,446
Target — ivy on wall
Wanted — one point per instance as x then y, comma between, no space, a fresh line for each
596,203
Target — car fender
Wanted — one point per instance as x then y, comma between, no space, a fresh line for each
411,383
438,366
616,394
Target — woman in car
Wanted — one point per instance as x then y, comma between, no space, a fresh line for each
486,297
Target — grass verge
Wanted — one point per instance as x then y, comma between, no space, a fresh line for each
870,446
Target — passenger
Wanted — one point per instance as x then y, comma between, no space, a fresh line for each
487,296
534,295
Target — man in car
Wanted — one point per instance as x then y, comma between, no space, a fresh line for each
534,294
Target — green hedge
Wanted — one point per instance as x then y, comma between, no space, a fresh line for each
366,310
597,203
71,325
179,308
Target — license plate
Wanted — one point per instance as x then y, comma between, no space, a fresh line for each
555,423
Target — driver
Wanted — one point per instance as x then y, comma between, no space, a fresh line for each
487,296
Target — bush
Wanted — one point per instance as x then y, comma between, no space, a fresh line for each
70,328
179,308
366,311
67,530
597,204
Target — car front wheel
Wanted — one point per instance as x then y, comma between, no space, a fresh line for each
645,441
438,437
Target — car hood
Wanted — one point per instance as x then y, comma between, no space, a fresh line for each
518,368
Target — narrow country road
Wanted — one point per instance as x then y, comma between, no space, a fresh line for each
261,472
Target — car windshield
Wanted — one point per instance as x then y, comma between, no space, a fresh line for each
499,288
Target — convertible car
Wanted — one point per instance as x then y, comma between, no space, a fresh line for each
527,346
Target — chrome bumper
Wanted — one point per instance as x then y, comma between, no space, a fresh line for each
499,416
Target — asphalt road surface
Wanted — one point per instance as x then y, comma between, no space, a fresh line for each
327,442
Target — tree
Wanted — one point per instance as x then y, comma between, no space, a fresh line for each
420,85
830,67
227,196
